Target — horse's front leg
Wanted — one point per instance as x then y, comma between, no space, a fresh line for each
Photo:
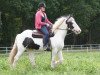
31,57
60,56
54,52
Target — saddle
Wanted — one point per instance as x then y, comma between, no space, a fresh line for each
38,34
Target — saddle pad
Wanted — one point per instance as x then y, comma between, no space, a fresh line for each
37,34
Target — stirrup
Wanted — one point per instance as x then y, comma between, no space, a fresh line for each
46,48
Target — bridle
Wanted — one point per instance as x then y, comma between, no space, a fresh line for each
61,24
66,23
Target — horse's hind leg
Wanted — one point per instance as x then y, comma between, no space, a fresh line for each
31,56
17,56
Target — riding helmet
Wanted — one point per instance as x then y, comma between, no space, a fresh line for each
42,4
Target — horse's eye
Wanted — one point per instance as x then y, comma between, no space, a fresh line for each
70,25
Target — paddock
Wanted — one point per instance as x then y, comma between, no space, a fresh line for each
75,63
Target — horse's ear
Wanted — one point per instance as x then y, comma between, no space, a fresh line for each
71,15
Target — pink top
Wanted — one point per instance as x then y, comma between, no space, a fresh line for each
38,18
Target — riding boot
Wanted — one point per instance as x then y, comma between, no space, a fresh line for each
46,47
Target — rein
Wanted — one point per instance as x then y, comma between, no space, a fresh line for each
65,29
70,33
57,26
61,29
60,24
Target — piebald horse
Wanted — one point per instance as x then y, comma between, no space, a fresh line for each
25,41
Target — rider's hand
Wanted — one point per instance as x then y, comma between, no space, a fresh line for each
47,25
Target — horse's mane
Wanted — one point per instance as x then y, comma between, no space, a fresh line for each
59,20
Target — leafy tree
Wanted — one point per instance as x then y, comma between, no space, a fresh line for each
18,15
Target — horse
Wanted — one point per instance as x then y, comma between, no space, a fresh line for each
25,41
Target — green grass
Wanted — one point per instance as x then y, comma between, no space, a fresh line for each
80,63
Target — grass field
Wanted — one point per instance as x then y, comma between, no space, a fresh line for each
78,63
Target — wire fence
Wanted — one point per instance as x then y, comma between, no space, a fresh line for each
68,48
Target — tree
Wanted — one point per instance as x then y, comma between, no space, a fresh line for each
18,15
15,16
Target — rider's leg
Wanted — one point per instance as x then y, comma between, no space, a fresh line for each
44,30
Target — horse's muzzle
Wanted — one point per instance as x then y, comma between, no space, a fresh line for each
77,31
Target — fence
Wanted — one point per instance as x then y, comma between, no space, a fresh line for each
86,47
5,49
68,48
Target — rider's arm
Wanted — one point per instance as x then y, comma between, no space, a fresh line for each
38,19
47,20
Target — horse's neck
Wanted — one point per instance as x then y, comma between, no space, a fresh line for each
60,34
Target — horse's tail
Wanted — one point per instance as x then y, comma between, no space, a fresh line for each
13,53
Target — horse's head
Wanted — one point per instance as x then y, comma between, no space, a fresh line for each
72,25
66,23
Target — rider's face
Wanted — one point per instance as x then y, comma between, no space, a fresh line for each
43,9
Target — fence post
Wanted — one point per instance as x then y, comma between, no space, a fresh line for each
87,49
81,47
99,46
71,47
90,47
67,49
6,50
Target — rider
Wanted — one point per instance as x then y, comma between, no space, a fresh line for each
42,23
